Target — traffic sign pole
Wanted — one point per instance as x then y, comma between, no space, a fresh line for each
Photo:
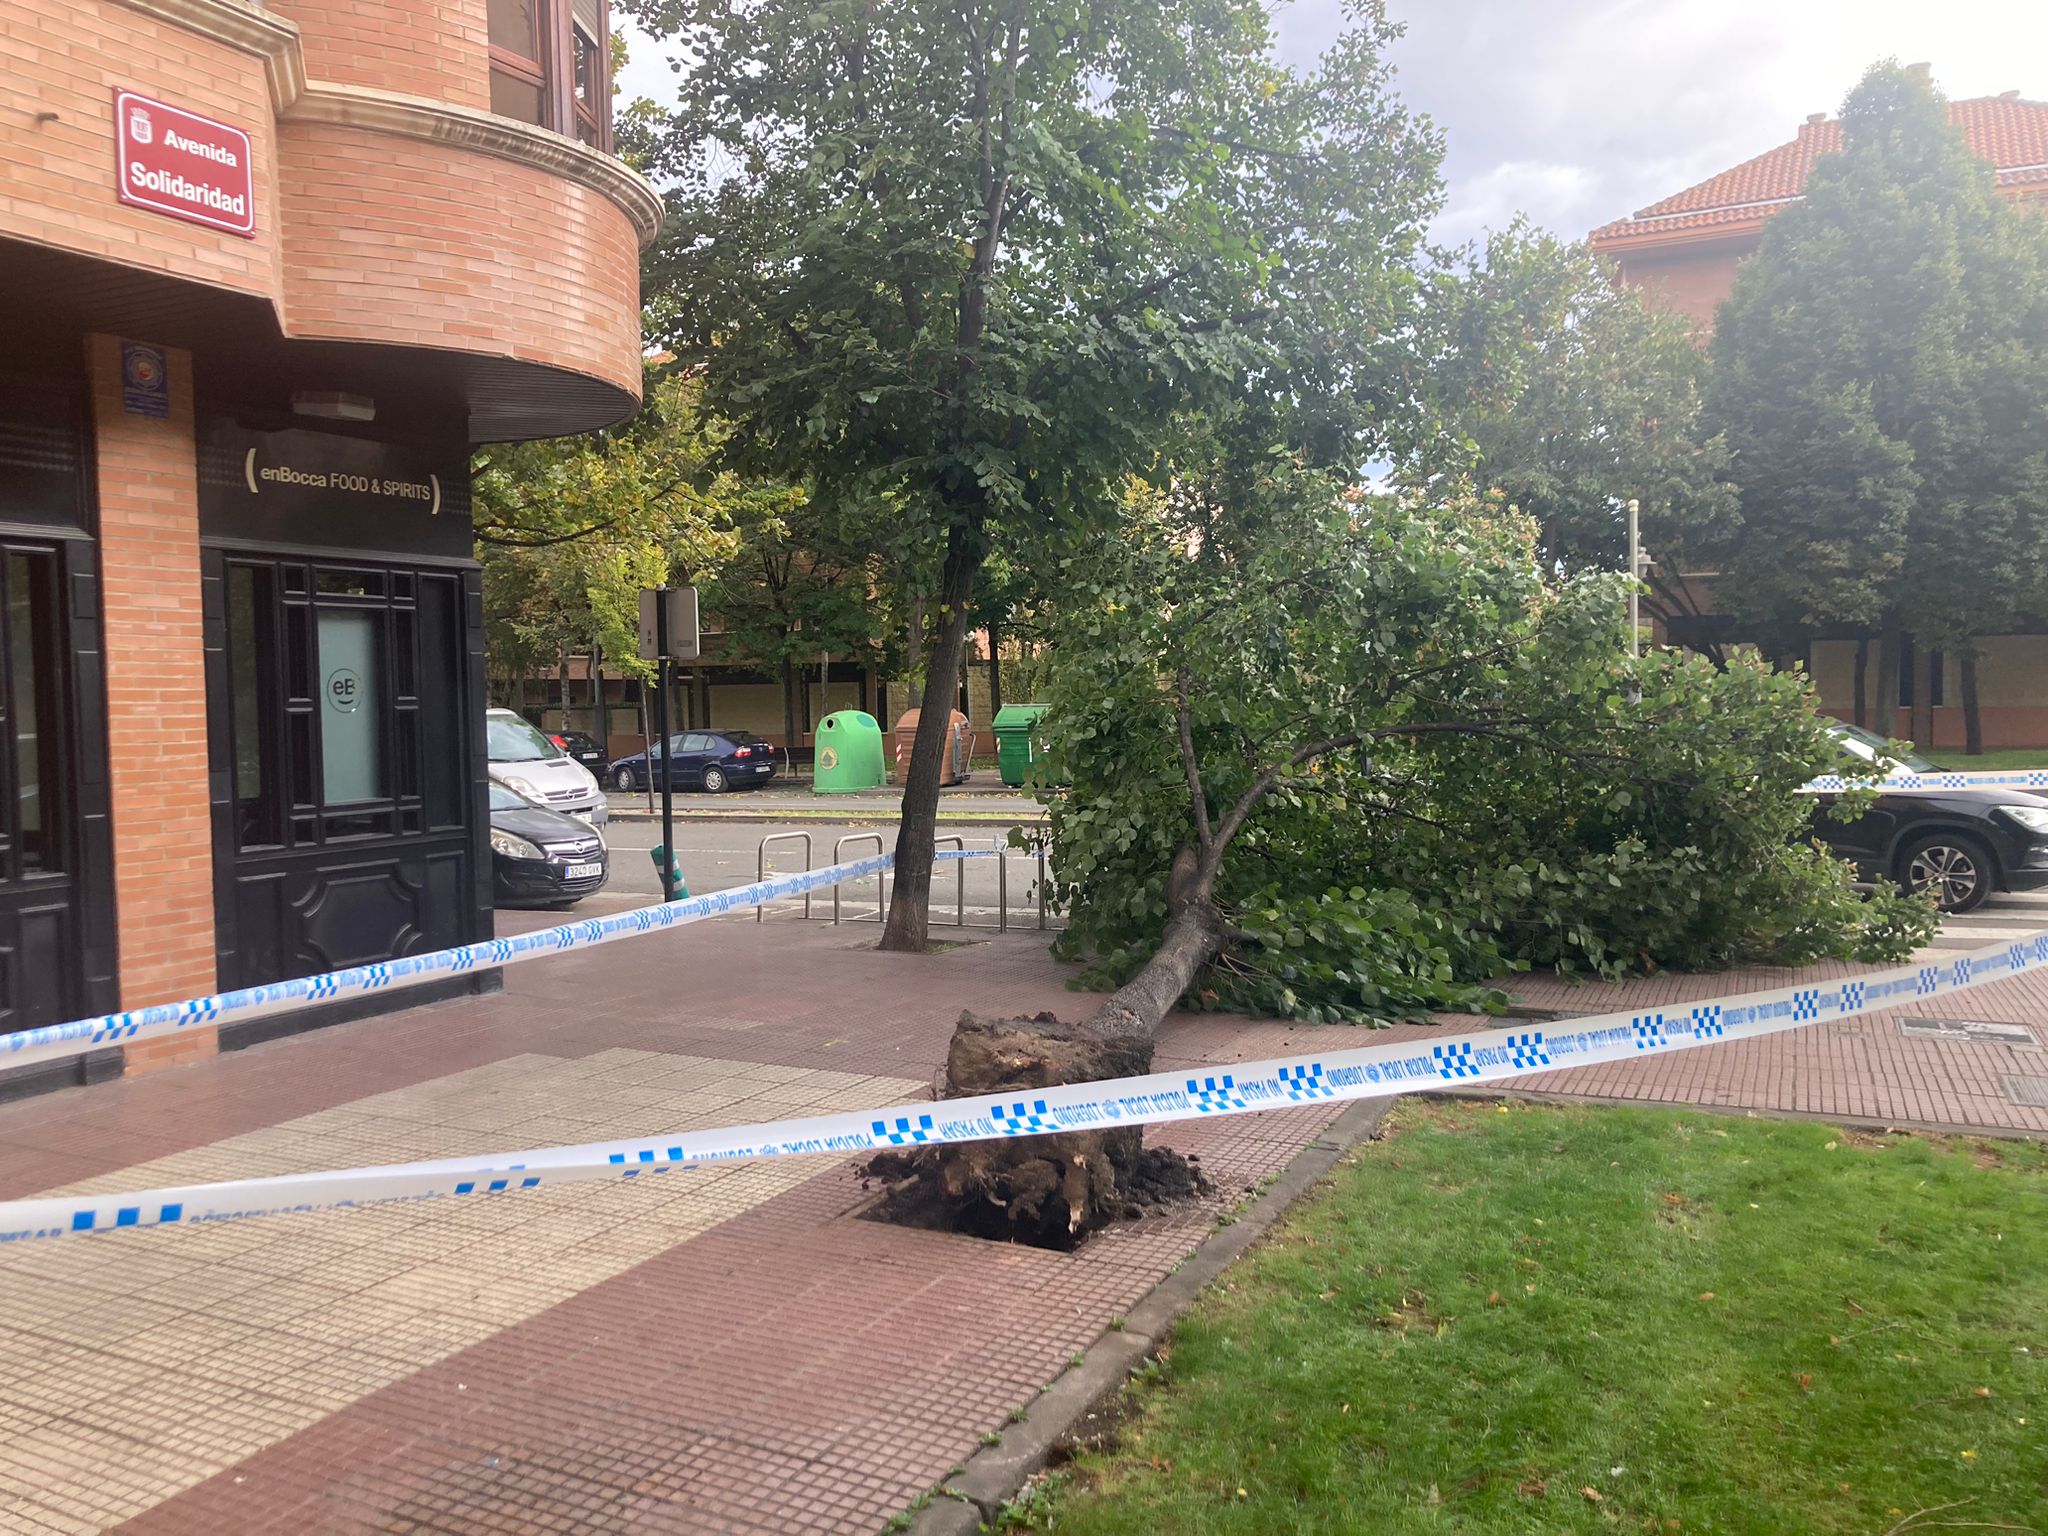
668,823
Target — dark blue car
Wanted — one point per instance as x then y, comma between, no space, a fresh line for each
713,761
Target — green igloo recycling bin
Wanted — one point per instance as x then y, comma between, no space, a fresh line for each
1018,745
849,753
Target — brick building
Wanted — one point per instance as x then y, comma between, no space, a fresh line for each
267,272
1683,250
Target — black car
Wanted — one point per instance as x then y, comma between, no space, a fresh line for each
581,748
713,761
1961,844
541,858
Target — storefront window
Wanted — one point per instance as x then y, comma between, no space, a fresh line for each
32,663
351,707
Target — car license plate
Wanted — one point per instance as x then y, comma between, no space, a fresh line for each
588,818
764,767
582,871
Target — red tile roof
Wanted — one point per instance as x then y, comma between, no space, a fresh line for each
2009,132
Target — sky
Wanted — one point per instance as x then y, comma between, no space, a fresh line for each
1580,111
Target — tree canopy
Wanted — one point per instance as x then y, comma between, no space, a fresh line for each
1571,396
1881,373
570,530
972,257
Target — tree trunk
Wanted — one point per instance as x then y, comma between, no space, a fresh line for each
519,693
1051,1191
1973,715
995,671
562,684
1862,710
824,684
910,892
789,731
1922,723
1889,636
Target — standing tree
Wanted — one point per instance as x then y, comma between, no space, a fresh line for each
971,254
1881,372
569,530
803,582
1571,396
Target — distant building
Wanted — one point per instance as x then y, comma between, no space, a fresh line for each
1683,250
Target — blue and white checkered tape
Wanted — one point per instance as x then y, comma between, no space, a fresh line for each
2010,778
1399,1066
59,1040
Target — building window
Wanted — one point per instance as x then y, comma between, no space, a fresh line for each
551,66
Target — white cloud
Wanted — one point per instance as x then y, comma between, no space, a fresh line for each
1579,111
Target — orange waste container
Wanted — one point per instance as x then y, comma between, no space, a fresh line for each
959,747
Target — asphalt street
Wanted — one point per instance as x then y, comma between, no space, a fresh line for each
716,855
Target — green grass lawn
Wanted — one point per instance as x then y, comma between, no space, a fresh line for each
1985,762
1529,1319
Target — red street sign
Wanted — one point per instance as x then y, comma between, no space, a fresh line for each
172,161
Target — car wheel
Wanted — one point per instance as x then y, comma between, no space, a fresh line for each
714,781
1957,869
624,781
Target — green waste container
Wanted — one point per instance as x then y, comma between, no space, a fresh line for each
1019,745
849,753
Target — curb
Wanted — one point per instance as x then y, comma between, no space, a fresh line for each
993,1474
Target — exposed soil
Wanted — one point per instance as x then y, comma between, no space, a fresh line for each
1047,1191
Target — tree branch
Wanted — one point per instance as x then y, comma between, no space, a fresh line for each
507,537
1197,798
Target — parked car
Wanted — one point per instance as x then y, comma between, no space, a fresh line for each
581,748
713,761
540,857
535,769
1961,844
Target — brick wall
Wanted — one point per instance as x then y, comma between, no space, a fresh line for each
439,49
63,61
148,485
1689,280
418,244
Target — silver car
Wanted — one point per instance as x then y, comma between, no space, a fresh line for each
531,766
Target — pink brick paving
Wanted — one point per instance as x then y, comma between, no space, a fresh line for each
795,1368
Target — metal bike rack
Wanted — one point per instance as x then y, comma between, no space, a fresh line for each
960,885
761,866
881,880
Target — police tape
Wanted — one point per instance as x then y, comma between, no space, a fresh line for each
1307,1078
54,1041
1927,779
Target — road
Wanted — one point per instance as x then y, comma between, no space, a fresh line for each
716,855
2008,915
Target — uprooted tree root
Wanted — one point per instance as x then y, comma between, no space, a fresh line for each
1047,1191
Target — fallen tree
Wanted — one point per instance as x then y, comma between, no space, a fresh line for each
1350,758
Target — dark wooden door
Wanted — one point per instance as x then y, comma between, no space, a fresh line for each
345,711
53,875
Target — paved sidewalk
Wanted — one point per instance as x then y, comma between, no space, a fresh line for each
732,1350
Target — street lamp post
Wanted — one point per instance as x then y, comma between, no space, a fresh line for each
1635,576
1639,564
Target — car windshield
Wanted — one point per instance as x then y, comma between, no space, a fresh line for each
1871,747
503,799
512,740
